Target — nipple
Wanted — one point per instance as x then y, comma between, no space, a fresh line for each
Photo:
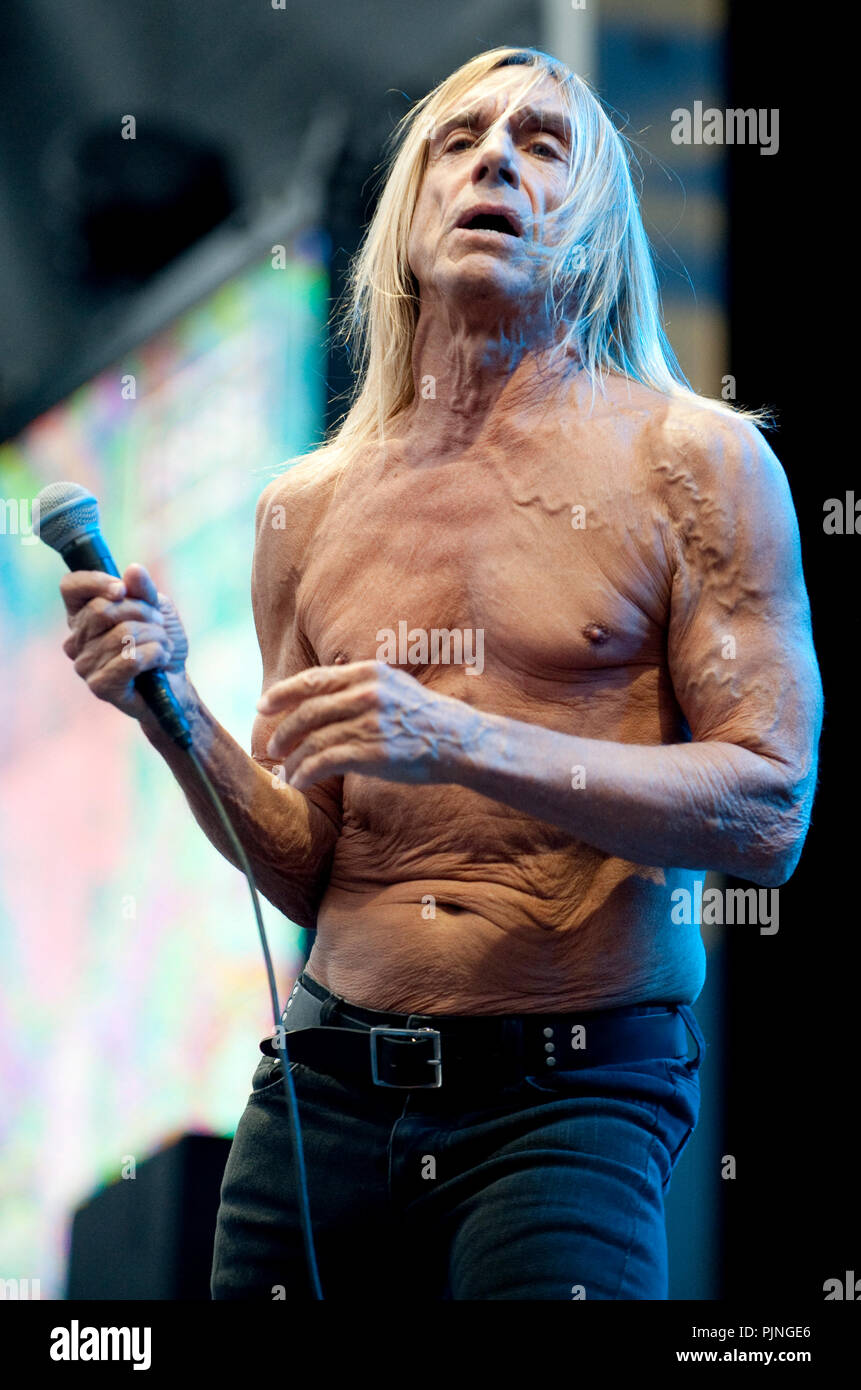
596,633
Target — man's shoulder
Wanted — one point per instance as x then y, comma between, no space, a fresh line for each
706,451
720,484
689,428
305,479
289,511
297,498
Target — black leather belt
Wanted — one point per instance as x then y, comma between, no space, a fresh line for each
421,1051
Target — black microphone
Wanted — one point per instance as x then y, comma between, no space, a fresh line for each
68,521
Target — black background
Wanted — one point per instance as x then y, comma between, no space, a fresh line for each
791,1216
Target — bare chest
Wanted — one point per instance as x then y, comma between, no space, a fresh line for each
543,566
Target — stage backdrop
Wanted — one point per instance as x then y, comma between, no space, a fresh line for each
133,988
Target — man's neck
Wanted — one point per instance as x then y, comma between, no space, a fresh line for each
469,371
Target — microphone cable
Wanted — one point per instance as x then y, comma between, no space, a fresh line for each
287,1078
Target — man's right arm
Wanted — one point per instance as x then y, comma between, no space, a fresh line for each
289,836
288,839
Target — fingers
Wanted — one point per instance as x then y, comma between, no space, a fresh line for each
79,587
118,630
337,748
140,585
110,662
317,680
319,712
113,678
335,761
101,615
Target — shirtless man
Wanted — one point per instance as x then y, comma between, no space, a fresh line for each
503,843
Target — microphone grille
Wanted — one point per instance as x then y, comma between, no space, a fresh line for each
66,511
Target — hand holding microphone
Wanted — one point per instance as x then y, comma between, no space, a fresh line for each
126,640
119,629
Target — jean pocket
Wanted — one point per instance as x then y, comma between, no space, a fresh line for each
554,1084
680,1070
684,1110
267,1076
641,1074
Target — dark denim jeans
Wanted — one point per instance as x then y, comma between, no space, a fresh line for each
550,1188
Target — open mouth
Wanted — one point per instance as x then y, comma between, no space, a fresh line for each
491,222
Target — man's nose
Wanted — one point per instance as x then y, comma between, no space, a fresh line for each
495,157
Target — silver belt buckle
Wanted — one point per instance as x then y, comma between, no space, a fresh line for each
417,1035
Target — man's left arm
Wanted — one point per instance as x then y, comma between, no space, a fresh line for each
737,798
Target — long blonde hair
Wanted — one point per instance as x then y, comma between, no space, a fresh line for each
601,285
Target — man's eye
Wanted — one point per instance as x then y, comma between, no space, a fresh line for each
461,141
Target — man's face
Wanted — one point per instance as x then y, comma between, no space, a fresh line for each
489,160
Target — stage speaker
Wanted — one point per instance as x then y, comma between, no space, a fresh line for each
151,1235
